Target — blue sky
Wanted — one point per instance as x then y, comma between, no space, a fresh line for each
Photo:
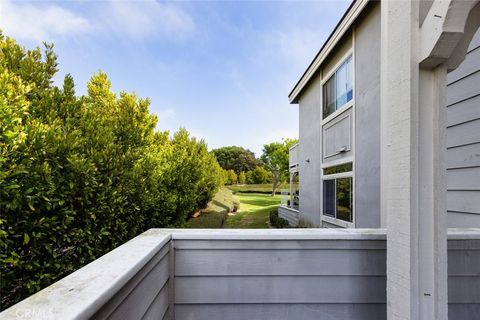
223,70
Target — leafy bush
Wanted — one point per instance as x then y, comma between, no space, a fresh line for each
242,178
230,177
259,175
276,221
81,175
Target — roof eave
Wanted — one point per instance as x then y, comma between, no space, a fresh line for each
356,7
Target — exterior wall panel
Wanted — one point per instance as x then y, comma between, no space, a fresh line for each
309,149
280,279
367,120
463,140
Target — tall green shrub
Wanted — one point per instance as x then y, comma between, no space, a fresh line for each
81,175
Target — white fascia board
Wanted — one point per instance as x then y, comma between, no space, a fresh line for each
347,21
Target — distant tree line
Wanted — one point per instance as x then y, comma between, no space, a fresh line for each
81,175
240,166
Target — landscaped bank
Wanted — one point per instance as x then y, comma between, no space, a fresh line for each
239,210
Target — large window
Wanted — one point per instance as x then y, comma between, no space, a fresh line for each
338,192
338,89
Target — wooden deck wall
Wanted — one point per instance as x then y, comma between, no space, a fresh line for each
280,279
146,295
246,274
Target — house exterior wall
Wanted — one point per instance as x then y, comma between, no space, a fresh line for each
366,124
463,140
367,120
463,132
309,148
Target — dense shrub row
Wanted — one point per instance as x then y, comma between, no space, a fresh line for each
258,175
276,221
81,175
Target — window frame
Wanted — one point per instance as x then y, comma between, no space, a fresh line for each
328,76
351,158
334,176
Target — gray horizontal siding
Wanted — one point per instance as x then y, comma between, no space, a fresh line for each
159,307
279,262
145,295
280,289
464,156
464,201
464,279
463,140
463,111
281,311
463,89
464,178
470,65
276,274
459,219
279,279
467,133
475,43
292,216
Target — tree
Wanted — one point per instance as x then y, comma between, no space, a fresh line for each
235,158
275,159
242,178
230,177
259,175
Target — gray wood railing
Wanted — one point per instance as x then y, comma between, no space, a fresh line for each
246,274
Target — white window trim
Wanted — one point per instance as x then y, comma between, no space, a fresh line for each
350,103
338,222
330,219
347,106
327,76
337,163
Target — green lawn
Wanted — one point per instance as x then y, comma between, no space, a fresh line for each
254,211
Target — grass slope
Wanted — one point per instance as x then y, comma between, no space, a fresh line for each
259,188
254,211
215,214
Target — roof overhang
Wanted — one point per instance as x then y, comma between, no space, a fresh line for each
342,27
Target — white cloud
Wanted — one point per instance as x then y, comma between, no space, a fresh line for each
39,22
147,18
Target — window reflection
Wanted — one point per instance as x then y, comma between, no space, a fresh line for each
344,199
338,198
338,90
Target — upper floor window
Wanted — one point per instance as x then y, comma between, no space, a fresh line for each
338,89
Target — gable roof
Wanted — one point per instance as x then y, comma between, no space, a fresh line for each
355,8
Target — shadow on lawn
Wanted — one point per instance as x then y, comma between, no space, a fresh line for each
263,202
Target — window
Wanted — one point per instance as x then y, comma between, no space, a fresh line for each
338,192
338,90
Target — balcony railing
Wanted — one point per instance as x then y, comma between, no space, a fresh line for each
246,274
293,157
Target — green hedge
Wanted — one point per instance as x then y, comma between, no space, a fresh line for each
276,221
81,175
